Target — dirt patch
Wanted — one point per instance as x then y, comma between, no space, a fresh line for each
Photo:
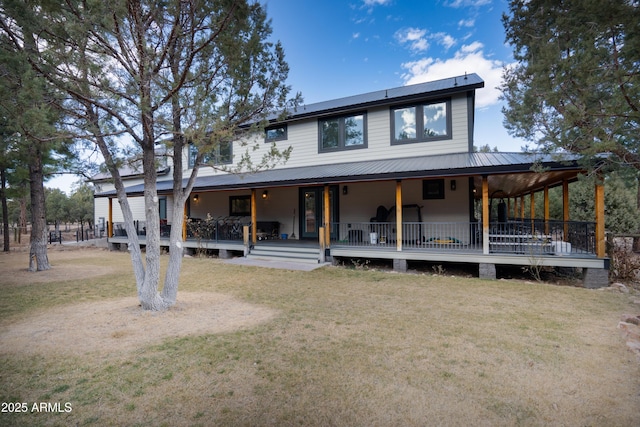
13,266
112,325
117,325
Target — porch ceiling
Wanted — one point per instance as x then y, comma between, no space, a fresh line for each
509,173
515,185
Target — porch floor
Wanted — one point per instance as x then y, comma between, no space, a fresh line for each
458,254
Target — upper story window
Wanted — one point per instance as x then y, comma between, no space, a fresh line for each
342,133
222,154
422,122
275,133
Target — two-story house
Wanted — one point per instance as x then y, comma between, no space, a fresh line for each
391,175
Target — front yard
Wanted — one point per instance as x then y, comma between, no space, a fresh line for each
335,346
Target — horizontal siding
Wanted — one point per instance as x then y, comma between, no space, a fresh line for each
303,139
102,209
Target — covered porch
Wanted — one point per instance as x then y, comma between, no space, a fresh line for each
479,213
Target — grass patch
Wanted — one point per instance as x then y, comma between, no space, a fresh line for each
347,347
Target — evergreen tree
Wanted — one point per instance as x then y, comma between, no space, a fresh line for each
576,84
177,71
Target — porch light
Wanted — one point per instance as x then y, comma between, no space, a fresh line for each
196,198
453,185
345,190
265,194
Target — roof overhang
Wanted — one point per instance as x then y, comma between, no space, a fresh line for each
510,174
386,97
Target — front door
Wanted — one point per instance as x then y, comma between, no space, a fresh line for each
312,211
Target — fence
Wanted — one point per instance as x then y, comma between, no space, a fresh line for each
53,236
520,237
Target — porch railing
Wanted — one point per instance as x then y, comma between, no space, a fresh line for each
217,229
540,236
513,237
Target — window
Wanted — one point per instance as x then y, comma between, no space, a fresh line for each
222,154
239,205
342,133
275,133
419,123
433,189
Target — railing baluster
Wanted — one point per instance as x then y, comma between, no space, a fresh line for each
513,236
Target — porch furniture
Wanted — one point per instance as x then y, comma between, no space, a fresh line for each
119,231
534,244
268,230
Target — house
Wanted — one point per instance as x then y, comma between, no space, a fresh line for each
391,175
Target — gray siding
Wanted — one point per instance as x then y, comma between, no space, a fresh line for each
303,138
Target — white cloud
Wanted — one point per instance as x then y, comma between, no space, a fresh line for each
415,37
418,39
473,47
376,2
468,3
470,59
444,39
466,23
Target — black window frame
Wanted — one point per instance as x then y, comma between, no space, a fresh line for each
234,205
342,133
420,128
193,152
433,189
282,137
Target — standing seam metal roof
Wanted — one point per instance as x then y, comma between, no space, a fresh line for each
401,168
395,95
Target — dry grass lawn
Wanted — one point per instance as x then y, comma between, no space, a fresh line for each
335,346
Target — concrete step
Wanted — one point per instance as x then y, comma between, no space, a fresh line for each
285,254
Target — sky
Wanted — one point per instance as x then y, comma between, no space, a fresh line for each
342,48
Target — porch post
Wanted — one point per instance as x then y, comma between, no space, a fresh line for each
532,205
565,208
110,224
323,244
485,215
327,217
399,215
599,202
532,210
254,218
245,239
522,207
546,209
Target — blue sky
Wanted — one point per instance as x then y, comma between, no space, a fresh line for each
341,48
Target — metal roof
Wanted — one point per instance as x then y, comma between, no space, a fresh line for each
446,165
428,90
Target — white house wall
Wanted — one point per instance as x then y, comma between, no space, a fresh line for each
137,209
358,205
302,136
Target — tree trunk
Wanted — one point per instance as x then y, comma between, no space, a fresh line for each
38,259
180,195
22,226
150,298
636,240
172,276
5,210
